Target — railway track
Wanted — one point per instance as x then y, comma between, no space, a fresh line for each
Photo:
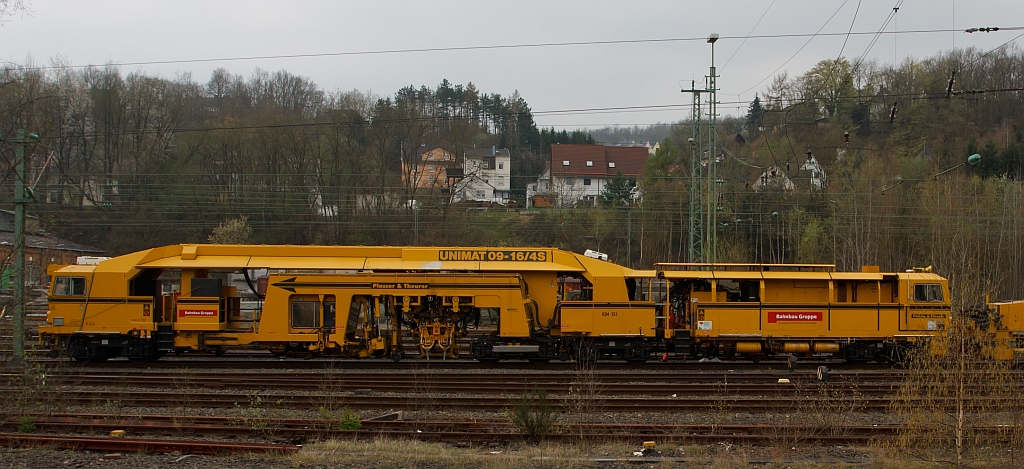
463,403
267,362
304,430
138,445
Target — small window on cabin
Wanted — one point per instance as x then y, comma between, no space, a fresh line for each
740,290
69,286
565,162
611,164
928,292
305,314
590,163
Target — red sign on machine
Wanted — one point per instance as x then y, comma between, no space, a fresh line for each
196,312
778,316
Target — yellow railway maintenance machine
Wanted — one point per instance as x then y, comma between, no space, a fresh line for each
1006,320
757,310
352,301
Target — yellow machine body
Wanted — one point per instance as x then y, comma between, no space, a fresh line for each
757,309
342,299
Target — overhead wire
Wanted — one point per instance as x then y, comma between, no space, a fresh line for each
811,38
474,48
748,34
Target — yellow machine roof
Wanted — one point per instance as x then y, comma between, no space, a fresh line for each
293,257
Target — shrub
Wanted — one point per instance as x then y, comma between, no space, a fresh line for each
532,415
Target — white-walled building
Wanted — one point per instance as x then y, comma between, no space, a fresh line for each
577,174
488,175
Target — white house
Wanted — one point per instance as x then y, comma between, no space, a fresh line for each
818,177
487,175
577,174
773,177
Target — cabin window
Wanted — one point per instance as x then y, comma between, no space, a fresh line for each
305,315
69,286
740,290
330,312
928,292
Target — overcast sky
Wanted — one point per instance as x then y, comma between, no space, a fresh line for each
550,78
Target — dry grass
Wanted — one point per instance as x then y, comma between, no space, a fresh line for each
384,452
381,453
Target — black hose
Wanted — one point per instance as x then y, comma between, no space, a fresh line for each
248,281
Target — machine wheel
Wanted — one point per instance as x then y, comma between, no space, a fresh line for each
756,358
397,355
791,361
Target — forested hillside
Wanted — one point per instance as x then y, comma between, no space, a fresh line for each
129,161
894,195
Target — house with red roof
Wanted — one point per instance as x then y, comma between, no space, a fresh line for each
577,174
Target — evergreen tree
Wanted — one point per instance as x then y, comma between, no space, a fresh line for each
618,192
754,113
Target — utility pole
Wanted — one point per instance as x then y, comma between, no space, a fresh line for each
21,199
711,246
629,235
703,234
695,250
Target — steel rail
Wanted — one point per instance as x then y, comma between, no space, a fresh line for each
427,401
138,445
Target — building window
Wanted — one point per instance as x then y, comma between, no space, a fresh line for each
565,162
486,166
447,157
480,194
501,180
611,165
590,163
433,179
430,168
570,181
501,165
586,181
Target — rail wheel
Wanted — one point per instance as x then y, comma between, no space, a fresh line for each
397,355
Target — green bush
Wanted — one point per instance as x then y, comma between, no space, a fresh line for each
532,415
26,424
349,420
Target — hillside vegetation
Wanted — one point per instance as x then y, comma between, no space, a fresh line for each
126,162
